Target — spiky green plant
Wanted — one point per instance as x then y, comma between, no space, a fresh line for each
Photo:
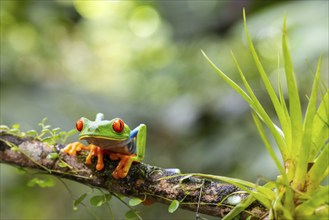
302,141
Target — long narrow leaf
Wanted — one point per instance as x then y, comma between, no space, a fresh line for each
258,108
286,125
262,194
268,145
282,210
267,83
294,104
303,159
320,126
319,168
308,207
239,208
294,101
228,80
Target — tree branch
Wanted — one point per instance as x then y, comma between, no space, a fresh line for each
143,181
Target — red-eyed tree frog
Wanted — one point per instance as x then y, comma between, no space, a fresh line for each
113,138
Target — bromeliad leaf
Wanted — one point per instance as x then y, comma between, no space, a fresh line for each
239,208
304,154
271,92
268,145
295,108
320,127
319,170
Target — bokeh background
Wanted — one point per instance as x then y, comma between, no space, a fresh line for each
142,61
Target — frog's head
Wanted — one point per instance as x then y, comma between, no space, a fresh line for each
102,132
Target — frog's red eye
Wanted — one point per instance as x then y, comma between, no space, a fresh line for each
118,125
79,124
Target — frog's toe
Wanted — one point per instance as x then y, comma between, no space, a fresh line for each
116,174
99,167
69,149
119,174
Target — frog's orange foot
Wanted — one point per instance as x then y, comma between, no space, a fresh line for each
124,165
73,148
95,151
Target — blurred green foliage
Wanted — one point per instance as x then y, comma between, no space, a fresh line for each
141,61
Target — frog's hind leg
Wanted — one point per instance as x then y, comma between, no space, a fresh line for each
124,165
137,151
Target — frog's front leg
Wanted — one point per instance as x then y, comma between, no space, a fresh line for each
73,148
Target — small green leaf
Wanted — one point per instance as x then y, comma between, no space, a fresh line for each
32,182
63,164
131,214
71,132
56,137
173,206
43,121
43,183
15,126
97,201
4,127
14,148
21,170
46,127
32,133
15,130
135,201
48,140
45,131
53,156
55,130
78,201
100,199
66,135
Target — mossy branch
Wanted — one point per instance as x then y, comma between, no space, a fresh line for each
143,181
